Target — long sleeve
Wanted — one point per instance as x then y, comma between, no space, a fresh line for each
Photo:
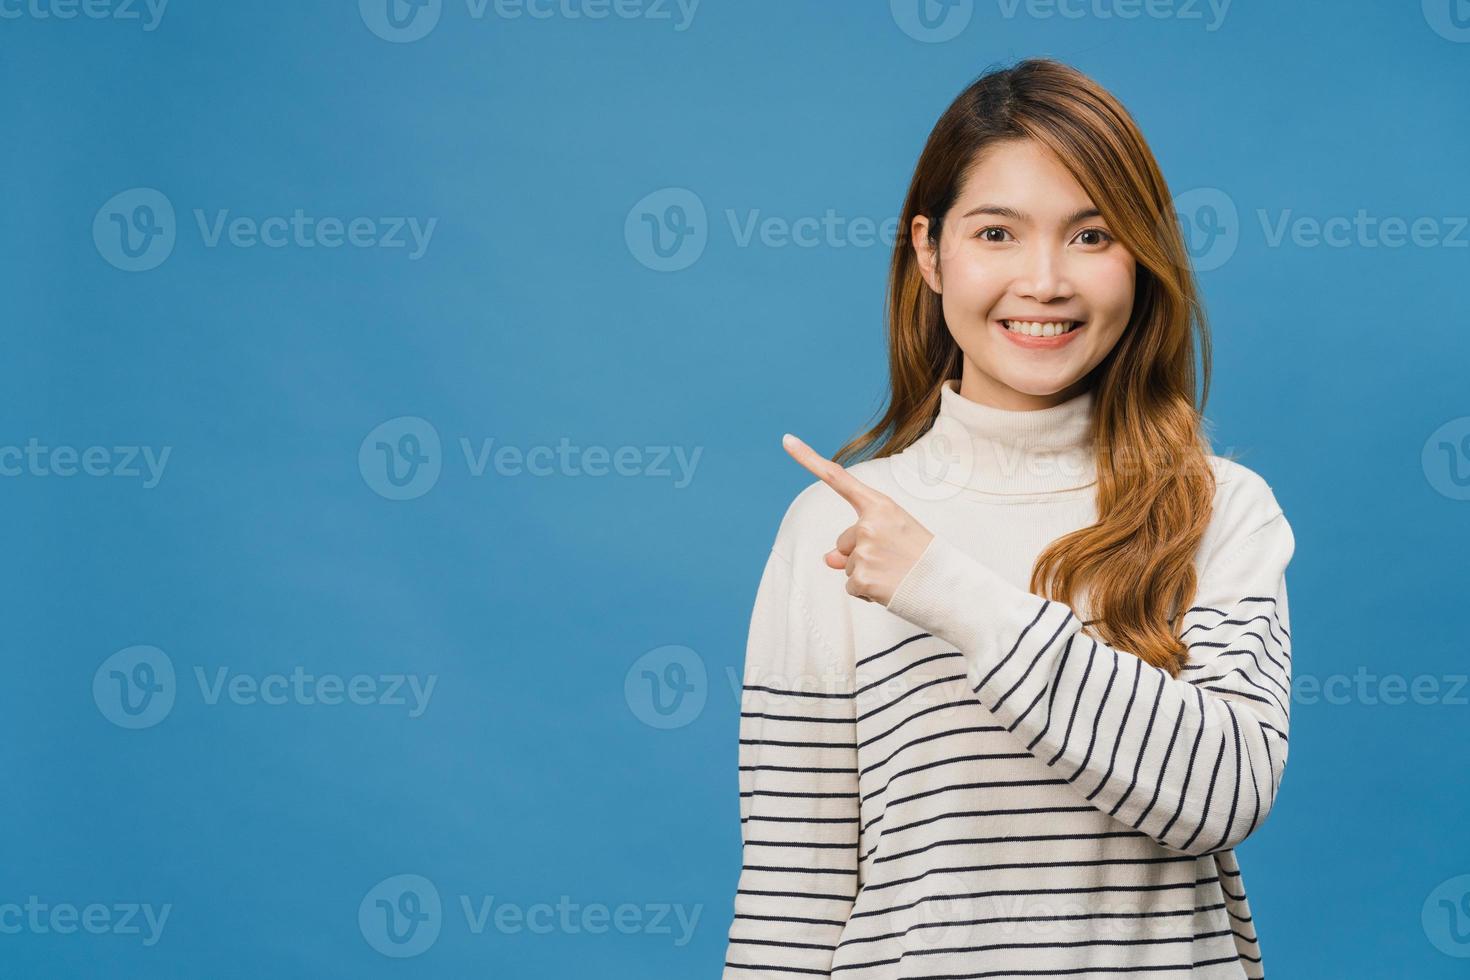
798,791
1194,762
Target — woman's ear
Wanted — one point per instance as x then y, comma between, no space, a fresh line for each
925,251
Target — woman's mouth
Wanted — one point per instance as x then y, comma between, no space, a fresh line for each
1040,333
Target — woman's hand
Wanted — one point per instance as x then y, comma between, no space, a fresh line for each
877,551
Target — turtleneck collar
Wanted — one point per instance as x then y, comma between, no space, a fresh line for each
1005,451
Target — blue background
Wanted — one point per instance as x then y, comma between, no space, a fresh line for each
536,772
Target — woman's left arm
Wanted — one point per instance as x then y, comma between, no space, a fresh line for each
1193,762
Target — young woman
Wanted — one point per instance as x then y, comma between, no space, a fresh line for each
1025,730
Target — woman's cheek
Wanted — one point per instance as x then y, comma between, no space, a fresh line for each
977,288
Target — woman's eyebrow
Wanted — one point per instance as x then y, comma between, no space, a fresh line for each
1002,211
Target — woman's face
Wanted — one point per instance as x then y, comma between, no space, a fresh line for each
1023,241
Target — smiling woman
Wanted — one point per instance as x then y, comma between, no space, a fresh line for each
1048,278
1023,731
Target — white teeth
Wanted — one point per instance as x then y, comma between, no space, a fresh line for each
1032,329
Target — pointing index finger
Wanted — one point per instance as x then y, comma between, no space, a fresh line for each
849,487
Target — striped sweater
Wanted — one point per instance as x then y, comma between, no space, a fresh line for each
968,782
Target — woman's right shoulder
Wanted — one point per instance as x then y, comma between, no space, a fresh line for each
818,514
811,523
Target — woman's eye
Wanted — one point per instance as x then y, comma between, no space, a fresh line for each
1099,237
990,234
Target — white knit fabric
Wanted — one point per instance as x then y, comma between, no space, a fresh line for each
969,783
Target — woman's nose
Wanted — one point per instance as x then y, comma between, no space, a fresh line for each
1043,276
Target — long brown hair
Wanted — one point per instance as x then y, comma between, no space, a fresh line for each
1155,486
